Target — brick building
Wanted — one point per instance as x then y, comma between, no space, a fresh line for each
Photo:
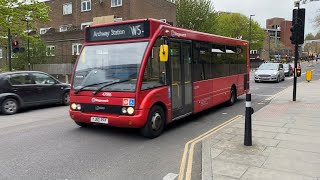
63,33
277,32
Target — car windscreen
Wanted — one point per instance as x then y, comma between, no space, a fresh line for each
286,66
99,65
269,66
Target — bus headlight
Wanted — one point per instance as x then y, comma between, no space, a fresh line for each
73,106
78,107
124,110
130,110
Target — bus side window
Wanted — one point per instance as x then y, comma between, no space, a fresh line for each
155,71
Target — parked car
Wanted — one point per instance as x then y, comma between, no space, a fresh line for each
269,72
288,70
30,88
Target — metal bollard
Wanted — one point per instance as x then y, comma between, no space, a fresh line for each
248,128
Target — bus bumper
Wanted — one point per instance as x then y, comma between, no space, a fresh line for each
137,120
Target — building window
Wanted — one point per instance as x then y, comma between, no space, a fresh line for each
64,28
253,51
43,30
83,25
50,51
67,8
1,53
116,3
172,1
76,47
117,19
85,5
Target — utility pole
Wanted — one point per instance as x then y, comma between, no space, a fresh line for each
29,64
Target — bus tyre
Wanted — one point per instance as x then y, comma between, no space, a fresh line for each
155,123
84,125
9,106
233,96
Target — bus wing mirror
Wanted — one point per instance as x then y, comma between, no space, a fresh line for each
164,53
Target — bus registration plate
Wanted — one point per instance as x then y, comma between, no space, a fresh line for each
99,120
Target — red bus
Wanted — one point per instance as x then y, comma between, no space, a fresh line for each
146,73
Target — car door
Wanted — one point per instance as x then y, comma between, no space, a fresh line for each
22,85
47,86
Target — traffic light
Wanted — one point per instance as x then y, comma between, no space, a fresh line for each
297,29
294,35
15,46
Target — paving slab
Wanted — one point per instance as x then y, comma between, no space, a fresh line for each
246,159
228,169
255,133
297,138
302,146
267,123
301,126
304,132
254,173
293,165
283,153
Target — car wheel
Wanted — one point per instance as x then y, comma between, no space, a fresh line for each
84,125
233,97
284,78
256,81
9,106
66,98
278,79
155,123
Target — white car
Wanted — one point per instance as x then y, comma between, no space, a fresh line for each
269,72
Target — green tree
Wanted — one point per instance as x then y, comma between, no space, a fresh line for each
317,36
310,36
14,14
237,25
196,15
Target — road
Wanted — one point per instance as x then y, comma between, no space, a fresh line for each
46,144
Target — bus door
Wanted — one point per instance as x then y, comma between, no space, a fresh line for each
180,70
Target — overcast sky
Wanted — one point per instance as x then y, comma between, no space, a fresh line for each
265,9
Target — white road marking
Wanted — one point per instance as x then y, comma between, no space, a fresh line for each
170,176
261,95
224,113
260,103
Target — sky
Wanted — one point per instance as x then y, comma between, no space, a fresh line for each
266,9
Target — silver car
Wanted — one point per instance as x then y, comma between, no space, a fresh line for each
269,72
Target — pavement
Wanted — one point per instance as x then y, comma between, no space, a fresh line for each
286,141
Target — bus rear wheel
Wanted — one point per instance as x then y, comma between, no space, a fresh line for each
155,123
233,96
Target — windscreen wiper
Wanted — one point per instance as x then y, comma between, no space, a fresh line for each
80,89
109,84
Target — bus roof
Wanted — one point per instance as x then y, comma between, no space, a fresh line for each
143,29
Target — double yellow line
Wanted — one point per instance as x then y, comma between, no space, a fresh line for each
189,149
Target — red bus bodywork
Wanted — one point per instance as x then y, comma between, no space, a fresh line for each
206,93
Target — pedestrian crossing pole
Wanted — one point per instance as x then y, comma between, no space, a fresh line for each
248,124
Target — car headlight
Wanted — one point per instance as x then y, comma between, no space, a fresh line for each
130,110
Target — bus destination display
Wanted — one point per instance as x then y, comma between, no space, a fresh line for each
118,32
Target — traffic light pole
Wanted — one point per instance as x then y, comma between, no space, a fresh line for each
296,57
9,49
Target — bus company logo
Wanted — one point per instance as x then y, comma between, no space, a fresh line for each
107,94
177,34
93,100
128,102
98,108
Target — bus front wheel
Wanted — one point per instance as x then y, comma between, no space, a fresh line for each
155,123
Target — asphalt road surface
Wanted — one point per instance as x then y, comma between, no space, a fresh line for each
46,144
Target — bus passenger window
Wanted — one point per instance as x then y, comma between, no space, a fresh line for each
155,72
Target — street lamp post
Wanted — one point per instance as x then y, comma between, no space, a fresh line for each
28,42
250,33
